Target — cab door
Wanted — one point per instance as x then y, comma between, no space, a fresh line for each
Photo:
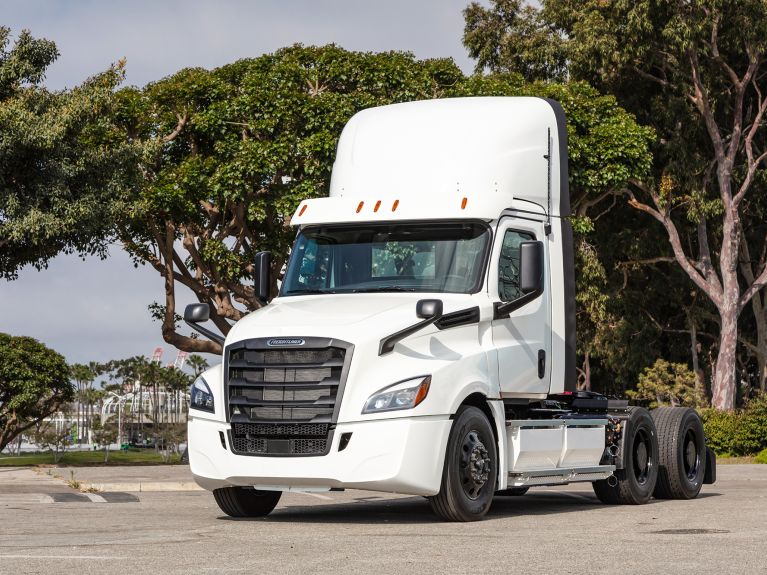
522,338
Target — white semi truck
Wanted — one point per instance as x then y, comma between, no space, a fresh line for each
423,338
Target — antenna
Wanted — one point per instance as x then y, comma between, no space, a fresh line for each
547,225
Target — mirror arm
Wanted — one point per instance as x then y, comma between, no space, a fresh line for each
206,332
387,344
503,309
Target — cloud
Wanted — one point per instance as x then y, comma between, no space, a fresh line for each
159,38
97,310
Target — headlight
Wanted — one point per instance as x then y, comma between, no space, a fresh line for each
403,395
201,396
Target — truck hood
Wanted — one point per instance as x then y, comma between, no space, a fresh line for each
349,317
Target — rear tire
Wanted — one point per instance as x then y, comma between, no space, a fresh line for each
471,468
635,483
246,501
682,453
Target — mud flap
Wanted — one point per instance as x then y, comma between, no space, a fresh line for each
710,476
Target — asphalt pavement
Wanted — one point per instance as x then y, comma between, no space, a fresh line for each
47,527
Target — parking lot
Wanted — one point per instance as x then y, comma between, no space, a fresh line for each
46,527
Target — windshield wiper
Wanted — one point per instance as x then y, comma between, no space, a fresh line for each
382,289
309,291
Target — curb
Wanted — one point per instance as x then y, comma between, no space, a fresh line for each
146,486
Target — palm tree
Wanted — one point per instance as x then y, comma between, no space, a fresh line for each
197,363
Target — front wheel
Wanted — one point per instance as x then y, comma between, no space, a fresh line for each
246,501
471,468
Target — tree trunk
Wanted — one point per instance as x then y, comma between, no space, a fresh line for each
761,343
725,375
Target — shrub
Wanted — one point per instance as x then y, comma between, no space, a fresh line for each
762,457
742,432
666,383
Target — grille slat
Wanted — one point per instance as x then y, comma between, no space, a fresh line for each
283,389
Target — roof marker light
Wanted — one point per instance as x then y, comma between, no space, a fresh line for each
378,205
359,207
303,209
463,203
394,205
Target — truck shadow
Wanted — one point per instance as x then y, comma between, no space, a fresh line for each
415,510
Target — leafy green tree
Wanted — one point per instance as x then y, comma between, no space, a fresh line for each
47,436
673,384
230,153
695,72
513,36
197,363
34,384
62,164
104,435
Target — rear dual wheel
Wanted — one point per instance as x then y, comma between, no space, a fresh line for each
682,453
635,483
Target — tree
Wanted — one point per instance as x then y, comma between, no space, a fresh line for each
48,436
695,72
511,36
83,377
671,384
197,363
104,435
230,153
62,165
233,151
34,384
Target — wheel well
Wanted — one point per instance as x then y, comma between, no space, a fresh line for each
480,402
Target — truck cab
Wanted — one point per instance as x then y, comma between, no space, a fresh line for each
423,338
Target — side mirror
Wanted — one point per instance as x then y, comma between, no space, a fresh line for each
428,308
197,312
263,276
530,267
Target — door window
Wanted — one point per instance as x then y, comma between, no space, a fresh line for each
508,264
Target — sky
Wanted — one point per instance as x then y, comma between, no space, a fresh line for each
96,310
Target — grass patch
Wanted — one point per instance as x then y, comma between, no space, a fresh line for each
761,458
734,459
89,458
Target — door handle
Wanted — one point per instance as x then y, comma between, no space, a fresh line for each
541,363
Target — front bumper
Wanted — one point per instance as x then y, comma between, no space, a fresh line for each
403,455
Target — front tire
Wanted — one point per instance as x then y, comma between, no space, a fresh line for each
682,449
471,468
635,483
246,501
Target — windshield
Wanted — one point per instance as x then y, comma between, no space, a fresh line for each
418,257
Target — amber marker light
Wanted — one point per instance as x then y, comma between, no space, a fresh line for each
359,207
394,205
463,204
423,390
303,209
378,205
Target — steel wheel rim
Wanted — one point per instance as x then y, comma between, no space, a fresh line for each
475,464
642,456
690,455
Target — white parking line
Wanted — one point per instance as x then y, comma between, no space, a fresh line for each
95,497
82,557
